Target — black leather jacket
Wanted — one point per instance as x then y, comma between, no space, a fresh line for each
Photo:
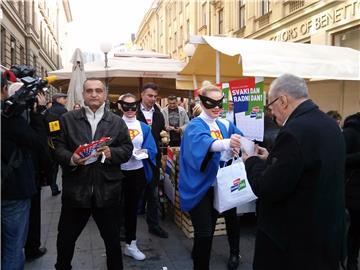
97,184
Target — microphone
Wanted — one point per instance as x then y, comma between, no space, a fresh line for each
50,79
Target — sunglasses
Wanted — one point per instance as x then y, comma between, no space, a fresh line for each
210,103
128,106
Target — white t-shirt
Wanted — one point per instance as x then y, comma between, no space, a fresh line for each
148,114
137,138
220,145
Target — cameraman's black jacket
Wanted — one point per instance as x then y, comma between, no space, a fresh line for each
18,143
54,114
96,184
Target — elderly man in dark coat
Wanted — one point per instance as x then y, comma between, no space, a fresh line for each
300,185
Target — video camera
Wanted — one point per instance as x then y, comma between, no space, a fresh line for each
25,97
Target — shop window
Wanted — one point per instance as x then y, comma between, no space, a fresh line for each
348,38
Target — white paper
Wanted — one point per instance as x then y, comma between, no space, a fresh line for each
140,154
247,146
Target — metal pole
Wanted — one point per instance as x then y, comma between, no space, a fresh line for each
217,66
106,74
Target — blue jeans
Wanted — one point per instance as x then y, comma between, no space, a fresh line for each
14,229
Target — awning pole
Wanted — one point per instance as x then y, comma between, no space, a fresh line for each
194,81
217,67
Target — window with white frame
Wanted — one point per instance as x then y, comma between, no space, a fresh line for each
187,29
241,13
203,14
221,22
264,7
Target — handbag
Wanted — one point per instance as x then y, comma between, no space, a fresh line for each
232,187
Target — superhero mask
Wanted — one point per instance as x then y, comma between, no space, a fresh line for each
128,106
210,103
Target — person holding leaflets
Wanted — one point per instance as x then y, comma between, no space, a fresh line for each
199,166
138,170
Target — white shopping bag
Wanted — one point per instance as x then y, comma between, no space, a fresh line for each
232,187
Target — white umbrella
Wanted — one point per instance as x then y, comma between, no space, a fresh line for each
77,80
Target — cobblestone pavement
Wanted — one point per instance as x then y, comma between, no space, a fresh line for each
173,253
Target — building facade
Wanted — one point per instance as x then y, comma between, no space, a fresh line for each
33,33
168,24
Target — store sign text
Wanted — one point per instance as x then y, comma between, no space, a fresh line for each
344,12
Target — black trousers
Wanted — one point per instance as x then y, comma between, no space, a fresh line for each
151,197
232,222
33,242
203,217
133,186
72,222
353,238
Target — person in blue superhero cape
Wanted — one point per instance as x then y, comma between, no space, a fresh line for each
206,142
232,220
138,170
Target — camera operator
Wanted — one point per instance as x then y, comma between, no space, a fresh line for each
53,119
22,137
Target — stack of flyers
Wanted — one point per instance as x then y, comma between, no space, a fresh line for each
87,150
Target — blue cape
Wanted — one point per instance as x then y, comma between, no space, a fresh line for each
198,166
150,145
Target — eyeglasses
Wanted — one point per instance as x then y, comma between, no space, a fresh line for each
271,103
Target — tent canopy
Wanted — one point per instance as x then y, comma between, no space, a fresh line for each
128,70
128,67
250,57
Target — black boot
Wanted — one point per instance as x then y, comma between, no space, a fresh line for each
233,261
201,253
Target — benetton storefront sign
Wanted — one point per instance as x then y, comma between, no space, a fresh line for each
345,12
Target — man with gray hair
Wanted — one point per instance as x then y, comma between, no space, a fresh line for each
300,184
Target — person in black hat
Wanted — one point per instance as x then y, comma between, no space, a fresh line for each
55,112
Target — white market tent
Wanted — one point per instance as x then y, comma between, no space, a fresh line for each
228,58
128,70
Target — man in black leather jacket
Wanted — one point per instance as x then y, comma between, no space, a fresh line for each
95,188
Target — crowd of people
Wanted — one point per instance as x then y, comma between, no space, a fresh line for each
306,175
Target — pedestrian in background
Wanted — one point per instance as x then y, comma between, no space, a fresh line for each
336,116
206,142
351,131
300,185
150,114
91,189
77,106
138,171
176,120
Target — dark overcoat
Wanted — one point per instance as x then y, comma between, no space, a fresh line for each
301,194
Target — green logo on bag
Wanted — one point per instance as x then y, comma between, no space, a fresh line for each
238,184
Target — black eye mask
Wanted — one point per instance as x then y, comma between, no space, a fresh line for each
128,106
210,103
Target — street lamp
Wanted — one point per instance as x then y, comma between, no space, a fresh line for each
105,47
189,49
